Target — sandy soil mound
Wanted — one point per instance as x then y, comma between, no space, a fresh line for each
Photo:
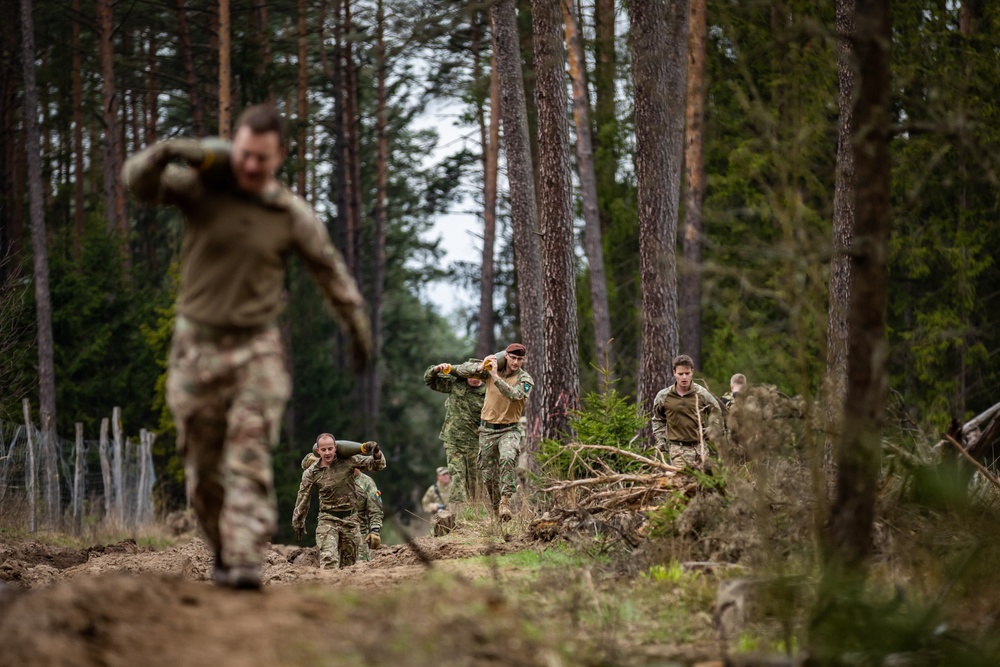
126,619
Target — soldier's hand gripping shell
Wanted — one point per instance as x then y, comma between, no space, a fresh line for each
300,532
374,540
188,150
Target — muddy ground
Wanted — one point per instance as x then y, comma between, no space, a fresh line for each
123,604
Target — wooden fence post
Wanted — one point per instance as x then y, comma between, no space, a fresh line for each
78,477
116,427
106,469
29,432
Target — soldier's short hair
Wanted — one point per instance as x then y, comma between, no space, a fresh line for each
264,118
325,435
682,360
738,380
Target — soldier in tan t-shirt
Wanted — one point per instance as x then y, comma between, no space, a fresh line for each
227,383
500,427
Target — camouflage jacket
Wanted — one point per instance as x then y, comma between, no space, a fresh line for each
338,490
369,507
434,496
674,416
461,409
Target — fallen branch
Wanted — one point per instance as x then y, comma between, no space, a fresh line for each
624,452
974,422
608,479
980,466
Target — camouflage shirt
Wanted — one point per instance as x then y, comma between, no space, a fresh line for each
236,244
674,416
462,407
434,496
338,490
369,505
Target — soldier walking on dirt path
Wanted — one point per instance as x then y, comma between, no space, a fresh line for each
500,430
680,415
338,531
370,514
227,382
460,431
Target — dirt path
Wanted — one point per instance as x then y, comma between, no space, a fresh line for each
127,605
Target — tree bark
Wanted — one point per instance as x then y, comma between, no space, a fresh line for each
184,37
593,242
352,161
694,195
79,214
852,513
605,120
43,302
225,81
659,72
560,383
264,32
381,183
152,107
520,176
114,196
843,209
302,102
486,340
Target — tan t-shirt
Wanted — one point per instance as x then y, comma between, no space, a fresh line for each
504,404
236,246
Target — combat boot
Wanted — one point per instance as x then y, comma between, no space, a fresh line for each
245,577
504,510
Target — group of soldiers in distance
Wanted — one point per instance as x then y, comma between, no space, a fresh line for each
227,381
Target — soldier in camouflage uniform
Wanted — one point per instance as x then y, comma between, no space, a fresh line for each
227,382
370,514
460,432
338,532
369,509
680,416
500,430
437,495
737,383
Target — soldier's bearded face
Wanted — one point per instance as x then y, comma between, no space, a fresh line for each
683,376
256,158
327,450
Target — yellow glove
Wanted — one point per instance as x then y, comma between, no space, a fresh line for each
374,540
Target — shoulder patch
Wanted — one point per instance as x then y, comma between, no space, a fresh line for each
527,387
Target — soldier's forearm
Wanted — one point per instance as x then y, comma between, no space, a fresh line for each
143,171
515,393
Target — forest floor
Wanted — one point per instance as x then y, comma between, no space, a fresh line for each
486,594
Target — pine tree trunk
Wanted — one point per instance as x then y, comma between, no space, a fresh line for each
605,121
193,85
588,190
114,196
302,101
352,165
79,214
852,513
264,34
152,109
520,176
225,82
381,183
486,340
659,72
560,383
843,210
694,195
43,303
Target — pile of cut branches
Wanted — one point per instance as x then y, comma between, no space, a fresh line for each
606,500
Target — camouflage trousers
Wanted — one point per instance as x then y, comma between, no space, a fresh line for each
338,540
686,455
462,465
498,450
227,394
